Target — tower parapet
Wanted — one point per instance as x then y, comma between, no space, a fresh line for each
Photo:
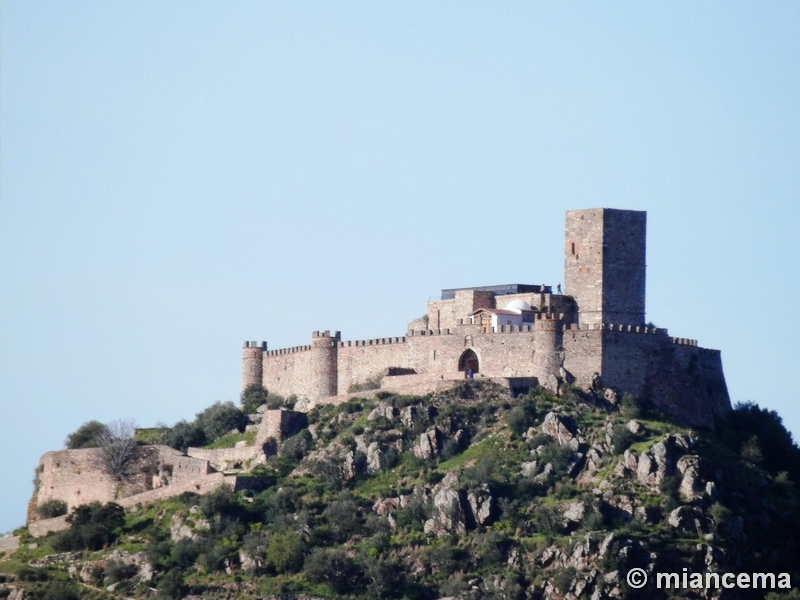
324,364
253,363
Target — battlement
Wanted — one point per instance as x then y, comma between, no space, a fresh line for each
375,342
327,334
292,350
683,341
259,345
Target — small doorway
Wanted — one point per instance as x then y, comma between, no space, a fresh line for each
468,361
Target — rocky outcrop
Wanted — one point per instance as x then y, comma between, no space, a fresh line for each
430,444
558,429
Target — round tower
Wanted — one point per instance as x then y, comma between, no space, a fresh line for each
253,363
324,364
548,351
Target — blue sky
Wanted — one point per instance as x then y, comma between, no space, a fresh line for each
180,177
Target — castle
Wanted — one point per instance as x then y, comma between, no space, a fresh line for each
593,335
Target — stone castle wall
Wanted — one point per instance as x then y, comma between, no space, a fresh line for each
77,476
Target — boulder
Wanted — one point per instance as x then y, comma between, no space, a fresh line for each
575,512
383,409
686,518
481,504
691,487
430,444
408,416
635,427
557,428
527,469
374,459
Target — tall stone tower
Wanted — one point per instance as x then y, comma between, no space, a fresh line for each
252,363
604,265
324,364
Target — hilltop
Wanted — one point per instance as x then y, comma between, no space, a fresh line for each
465,493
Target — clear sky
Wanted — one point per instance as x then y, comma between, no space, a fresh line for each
180,177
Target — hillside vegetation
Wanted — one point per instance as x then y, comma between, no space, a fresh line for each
464,494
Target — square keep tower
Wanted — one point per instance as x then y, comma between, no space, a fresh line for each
604,265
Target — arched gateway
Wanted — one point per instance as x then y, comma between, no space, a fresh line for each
469,361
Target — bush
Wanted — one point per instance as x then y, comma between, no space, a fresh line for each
296,447
558,456
51,508
219,419
60,590
621,439
335,568
183,435
285,552
342,517
253,396
171,585
116,571
86,436
93,527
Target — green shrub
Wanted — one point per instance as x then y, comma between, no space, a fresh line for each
284,552
220,418
621,439
184,435
171,585
86,436
335,568
253,396
60,590
93,527
563,578
117,570
51,508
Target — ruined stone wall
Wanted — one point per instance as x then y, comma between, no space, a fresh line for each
279,424
288,371
77,476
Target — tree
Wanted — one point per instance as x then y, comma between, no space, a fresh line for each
86,436
118,448
219,419
254,396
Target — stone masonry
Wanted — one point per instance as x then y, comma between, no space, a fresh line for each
595,329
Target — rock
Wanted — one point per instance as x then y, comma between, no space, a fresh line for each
408,415
604,546
531,433
240,444
691,488
527,469
349,466
374,458
361,444
574,444
635,427
657,464
550,553
573,467
481,503
383,409
384,506
248,562
448,514
430,444
546,472
261,409
179,529
575,512
711,490
611,396
682,441
557,429
112,587
686,518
